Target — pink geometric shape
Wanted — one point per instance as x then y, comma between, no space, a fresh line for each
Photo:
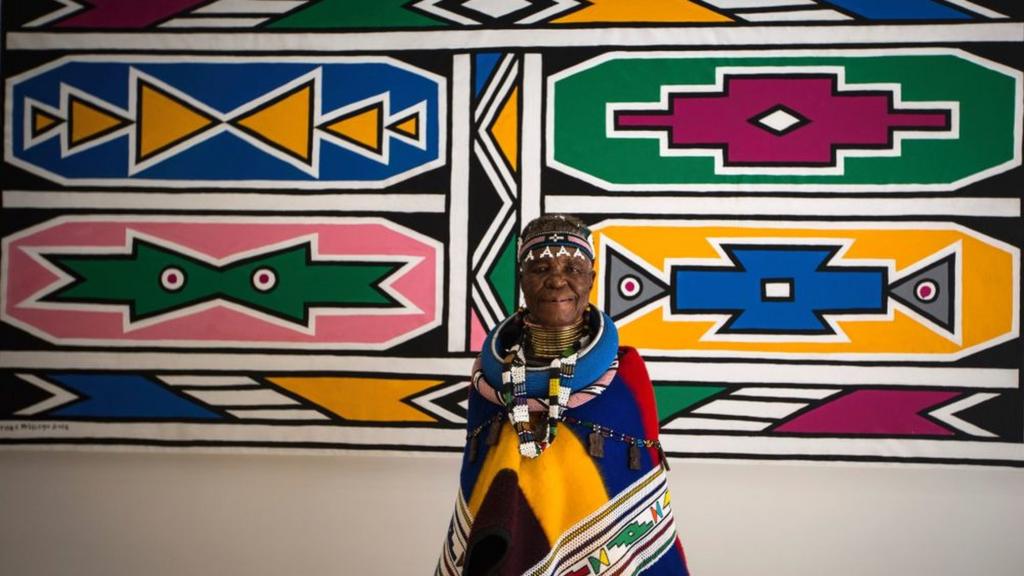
477,333
29,277
874,412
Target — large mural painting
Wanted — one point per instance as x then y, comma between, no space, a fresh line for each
289,225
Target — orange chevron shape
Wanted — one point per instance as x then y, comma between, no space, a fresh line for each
642,11
164,120
362,127
505,129
284,122
362,399
87,122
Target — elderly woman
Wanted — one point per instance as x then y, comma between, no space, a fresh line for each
562,471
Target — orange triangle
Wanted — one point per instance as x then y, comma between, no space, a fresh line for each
362,127
505,129
88,122
43,121
285,122
408,126
164,120
362,399
643,11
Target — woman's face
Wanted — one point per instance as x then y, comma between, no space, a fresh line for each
556,289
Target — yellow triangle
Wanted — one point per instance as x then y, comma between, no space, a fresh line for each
285,123
643,11
87,122
165,120
362,399
604,557
362,127
43,121
505,129
409,126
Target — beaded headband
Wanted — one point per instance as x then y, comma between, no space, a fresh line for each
570,243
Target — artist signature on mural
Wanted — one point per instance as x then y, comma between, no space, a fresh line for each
34,427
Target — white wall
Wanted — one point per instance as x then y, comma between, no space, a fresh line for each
173,513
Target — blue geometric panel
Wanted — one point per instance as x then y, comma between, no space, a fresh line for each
779,289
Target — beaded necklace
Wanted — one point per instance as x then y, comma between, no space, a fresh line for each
561,371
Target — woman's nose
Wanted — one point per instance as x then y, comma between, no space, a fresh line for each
555,279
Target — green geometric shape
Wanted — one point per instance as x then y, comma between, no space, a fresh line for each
502,276
675,398
300,283
343,14
984,92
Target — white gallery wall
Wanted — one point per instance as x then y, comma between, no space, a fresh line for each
171,512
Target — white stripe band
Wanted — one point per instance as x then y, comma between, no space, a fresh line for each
746,205
804,393
263,434
234,363
338,43
277,414
750,408
259,397
228,202
836,448
692,423
756,373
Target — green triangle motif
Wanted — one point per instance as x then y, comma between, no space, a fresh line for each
356,14
673,399
502,276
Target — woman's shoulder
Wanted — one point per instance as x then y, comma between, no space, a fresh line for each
629,354
631,364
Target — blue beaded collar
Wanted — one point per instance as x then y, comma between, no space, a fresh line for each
593,361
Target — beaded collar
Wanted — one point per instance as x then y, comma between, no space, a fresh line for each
593,359
503,360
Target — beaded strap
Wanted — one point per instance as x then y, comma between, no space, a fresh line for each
596,440
599,433
513,379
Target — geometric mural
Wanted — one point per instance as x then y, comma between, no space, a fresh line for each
856,291
165,121
289,225
265,283
852,120
399,14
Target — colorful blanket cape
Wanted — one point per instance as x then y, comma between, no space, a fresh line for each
566,512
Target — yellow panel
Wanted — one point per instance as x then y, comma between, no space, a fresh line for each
986,284
165,121
285,122
88,122
643,11
505,129
565,463
362,127
362,399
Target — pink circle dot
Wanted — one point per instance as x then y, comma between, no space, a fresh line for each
926,291
264,278
172,278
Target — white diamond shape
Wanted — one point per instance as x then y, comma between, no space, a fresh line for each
779,121
496,8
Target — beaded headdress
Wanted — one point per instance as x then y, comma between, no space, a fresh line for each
558,234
